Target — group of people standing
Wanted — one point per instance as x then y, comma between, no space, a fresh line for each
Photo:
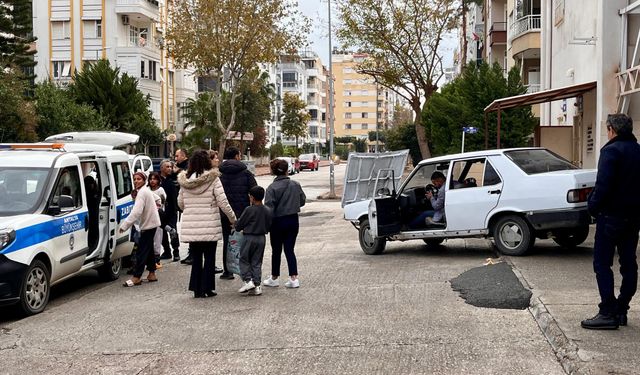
213,200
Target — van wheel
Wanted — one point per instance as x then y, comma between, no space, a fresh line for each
433,241
571,238
512,235
369,244
110,271
36,289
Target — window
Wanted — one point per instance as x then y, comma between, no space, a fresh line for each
146,163
347,126
60,30
133,35
314,114
143,36
289,77
422,176
379,103
67,188
467,174
365,115
365,92
365,126
347,70
347,93
153,65
93,29
347,104
347,81
61,69
491,177
142,69
24,185
171,115
171,78
313,131
538,161
347,115
122,177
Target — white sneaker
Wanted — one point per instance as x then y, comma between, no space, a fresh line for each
256,291
271,282
247,287
292,283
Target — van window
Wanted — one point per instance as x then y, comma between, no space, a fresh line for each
137,166
21,189
122,177
146,164
68,184
422,177
491,177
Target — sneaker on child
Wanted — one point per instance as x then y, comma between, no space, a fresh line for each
271,282
247,287
256,291
292,283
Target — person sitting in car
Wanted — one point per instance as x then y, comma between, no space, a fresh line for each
436,215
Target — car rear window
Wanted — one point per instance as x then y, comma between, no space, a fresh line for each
306,157
538,161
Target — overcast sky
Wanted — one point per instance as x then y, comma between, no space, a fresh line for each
316,10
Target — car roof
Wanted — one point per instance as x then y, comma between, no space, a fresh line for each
29,158
474,154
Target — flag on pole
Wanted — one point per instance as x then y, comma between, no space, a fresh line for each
470,129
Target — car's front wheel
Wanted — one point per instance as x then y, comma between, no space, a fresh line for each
110,271
433,241
512,235
571,238
35,291
369,244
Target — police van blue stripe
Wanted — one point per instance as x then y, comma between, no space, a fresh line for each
49,230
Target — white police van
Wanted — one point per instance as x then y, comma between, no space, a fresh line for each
60,209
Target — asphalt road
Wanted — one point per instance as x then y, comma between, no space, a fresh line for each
353,314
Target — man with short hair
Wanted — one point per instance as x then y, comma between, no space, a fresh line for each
236,180
436,215
182,164
170,211
615,204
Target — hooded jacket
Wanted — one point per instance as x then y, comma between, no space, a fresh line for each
201,198
237,180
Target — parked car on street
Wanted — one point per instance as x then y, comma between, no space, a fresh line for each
511,195
309,161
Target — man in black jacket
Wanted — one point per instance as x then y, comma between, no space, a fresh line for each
615,204
236,180
170,211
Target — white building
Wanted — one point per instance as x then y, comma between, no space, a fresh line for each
129,33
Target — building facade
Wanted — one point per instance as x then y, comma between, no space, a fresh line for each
128,33
360,103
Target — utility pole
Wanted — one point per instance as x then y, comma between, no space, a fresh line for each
332,182
377,98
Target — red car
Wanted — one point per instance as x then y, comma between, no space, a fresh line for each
309,161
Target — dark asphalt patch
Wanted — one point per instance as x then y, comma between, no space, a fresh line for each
494,286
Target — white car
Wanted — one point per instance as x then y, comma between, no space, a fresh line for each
512,195
290,162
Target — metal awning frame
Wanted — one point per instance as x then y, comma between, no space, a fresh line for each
529,99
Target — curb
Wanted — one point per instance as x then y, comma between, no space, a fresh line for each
565,349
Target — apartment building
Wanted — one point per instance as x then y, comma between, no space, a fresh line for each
495,17
359,102
129,33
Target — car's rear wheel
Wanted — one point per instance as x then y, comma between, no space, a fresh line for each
571,238
433,241
369,244
36,288
512,235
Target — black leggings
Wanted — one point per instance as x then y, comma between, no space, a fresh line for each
284,231
144,254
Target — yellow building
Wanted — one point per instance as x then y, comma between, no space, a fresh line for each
358,101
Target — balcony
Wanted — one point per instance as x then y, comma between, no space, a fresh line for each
138,8
524,34
498,33
524,25
533,87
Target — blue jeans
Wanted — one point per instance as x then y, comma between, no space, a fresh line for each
419,222
615,233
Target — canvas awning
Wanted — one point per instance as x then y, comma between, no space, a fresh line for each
533,98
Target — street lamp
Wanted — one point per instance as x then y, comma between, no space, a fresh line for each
332,182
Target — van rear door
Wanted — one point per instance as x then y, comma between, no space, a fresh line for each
121,186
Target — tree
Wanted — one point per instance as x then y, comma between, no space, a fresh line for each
58,112
115,96
200,117
464,9
224,39
401,116
462,102
16,37
294,117
18,121
402,39
253,103
404,137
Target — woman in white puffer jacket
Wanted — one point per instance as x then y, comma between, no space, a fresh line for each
201,198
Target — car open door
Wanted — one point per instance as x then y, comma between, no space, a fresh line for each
120,193
368,172
384,216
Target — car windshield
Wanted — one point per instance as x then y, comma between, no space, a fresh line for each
21,189
538,161
306,157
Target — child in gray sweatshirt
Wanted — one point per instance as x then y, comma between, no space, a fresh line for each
254,223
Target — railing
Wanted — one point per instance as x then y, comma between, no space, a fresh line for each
525,24
137,2
534,87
